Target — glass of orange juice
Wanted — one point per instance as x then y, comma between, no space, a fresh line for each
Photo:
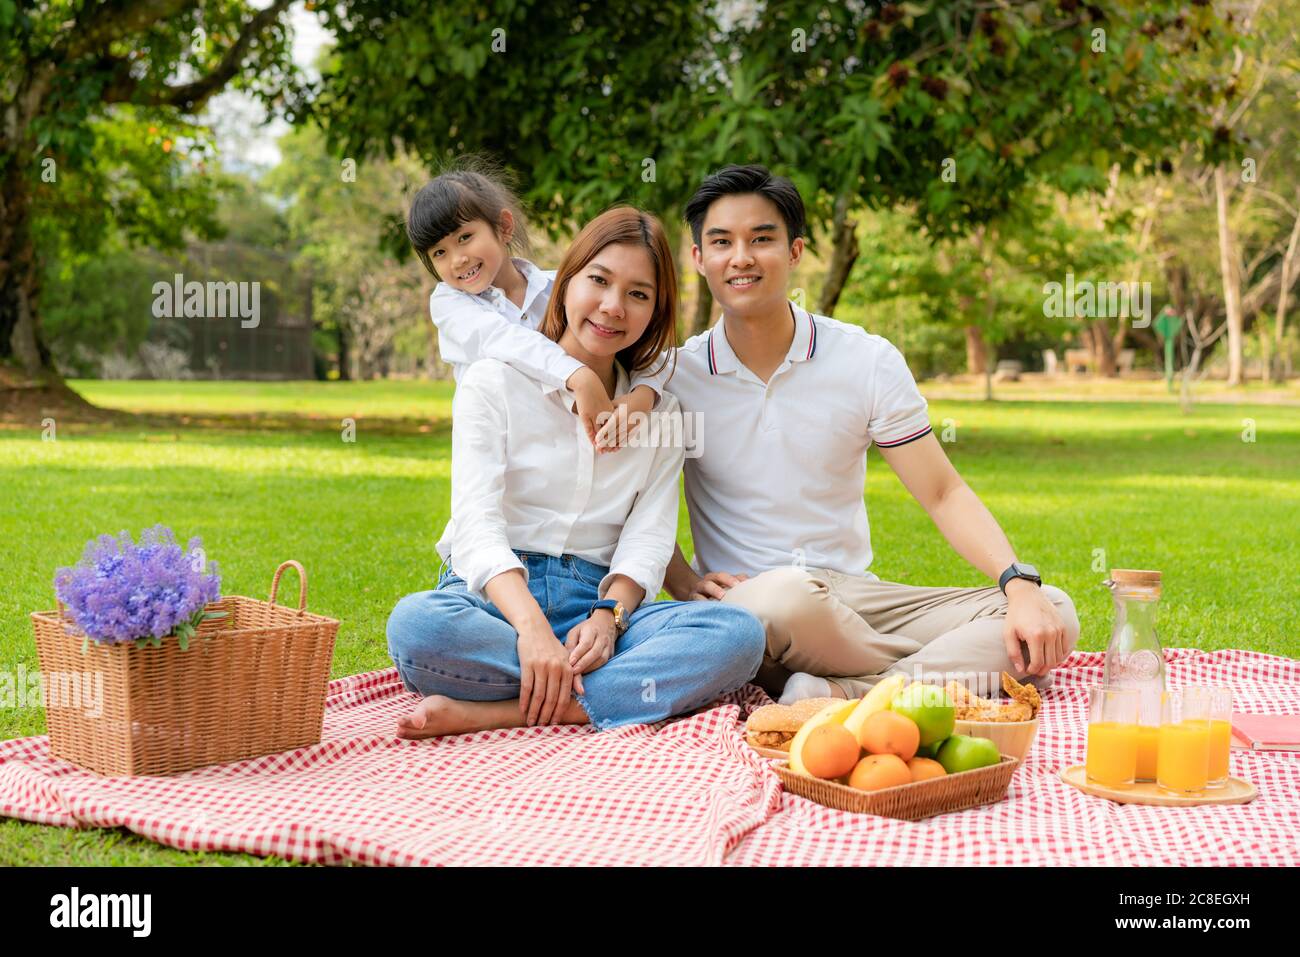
1148,748
1112,736
1216,702
1183,758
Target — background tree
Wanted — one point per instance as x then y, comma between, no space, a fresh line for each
347,227
69,72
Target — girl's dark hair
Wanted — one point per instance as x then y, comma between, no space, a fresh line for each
733,180
469,188
634,227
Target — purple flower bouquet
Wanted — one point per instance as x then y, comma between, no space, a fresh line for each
121,591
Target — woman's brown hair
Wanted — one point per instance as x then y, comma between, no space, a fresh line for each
626,225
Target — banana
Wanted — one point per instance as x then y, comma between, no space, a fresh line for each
877,699
831,714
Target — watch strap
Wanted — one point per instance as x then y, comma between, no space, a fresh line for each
1017,570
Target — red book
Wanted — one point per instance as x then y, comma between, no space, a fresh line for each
1266,732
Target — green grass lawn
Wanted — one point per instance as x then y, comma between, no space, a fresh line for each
1077,485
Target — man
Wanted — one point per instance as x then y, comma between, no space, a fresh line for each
788,403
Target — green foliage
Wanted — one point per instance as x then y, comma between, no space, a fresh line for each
911,286
342,219
577,100
144,181
94,305
98,297
844,98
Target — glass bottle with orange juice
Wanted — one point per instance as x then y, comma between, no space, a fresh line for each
1134,658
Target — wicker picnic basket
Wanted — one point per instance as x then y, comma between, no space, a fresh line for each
251,683
907,802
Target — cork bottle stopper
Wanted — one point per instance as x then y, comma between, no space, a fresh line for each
1136,578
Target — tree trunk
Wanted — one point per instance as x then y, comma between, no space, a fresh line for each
1103,350
19,279
345,349
1265,352
703,314
977,356
1228,266
1288,258
845,237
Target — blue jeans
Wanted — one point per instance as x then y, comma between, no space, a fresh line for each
674,657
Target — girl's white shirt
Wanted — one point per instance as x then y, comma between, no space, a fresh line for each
525,476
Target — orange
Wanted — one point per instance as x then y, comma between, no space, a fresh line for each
925,768
830,751
888,732
877,771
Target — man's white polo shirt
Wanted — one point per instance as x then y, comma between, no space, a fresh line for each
781,467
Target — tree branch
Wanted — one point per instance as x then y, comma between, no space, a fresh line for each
110,22
190,97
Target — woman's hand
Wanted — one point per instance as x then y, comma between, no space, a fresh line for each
591,642
545,678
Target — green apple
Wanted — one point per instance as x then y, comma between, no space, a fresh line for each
930,707
930,750
962,752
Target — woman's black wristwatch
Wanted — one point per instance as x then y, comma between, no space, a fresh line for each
620,613
1017,570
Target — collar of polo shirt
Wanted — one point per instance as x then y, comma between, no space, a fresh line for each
722,359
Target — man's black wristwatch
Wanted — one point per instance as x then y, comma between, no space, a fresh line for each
1017,570
620,613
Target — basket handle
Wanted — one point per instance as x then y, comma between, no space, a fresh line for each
302,583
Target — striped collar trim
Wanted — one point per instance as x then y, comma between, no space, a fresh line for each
802,348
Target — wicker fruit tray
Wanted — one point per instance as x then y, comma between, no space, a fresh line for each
907,802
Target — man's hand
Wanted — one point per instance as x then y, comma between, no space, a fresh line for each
591,642
593,400
1033,619
713,586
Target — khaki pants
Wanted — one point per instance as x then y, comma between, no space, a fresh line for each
853,630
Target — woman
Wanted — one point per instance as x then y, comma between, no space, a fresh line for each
542,615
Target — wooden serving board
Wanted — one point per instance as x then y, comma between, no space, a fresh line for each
1236,791
771,753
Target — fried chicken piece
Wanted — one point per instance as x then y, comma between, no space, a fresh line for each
1017,711
1026,694
970,707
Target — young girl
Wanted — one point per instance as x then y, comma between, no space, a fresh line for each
546,614
488,305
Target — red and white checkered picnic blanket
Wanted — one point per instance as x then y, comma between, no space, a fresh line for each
680,792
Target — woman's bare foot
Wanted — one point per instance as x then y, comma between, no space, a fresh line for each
438,715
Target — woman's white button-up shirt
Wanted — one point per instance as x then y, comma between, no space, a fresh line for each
524,476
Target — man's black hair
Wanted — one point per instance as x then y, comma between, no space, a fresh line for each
738,180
